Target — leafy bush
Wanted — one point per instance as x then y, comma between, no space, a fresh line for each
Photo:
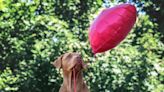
35,33
8,81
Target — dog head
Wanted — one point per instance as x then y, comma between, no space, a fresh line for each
69,61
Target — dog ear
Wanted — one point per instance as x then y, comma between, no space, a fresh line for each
58,62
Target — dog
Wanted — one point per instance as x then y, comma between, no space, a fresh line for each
72,66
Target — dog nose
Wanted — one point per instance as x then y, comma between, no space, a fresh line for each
78,57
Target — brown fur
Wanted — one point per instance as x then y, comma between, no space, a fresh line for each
67,62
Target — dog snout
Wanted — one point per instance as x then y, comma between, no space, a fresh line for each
79,58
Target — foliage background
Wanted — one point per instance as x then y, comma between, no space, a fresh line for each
34,33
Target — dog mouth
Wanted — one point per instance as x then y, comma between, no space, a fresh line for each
78,66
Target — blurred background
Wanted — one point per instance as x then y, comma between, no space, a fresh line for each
34,33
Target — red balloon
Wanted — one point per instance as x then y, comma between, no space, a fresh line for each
111,27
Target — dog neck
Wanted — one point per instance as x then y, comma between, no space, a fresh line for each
68,81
